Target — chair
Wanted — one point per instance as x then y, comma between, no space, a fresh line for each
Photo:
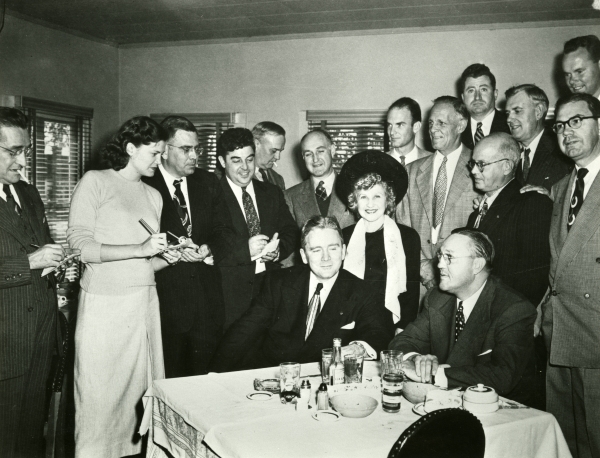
446,433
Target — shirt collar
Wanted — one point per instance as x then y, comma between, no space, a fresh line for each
327,285
469,303
593,168
327,182
490,199
535,142
237,190
453,156
169,179
486,123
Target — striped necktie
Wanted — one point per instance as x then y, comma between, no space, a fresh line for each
479,133
313,309
10,200
181,206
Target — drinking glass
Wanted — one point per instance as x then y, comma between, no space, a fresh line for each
353,368
289,382
392,377
326,355
391,362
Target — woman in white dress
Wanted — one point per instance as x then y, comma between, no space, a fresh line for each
118,348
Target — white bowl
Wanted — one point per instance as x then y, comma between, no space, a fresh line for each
353,405
415,392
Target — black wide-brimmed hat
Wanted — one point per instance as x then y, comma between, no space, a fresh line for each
371,161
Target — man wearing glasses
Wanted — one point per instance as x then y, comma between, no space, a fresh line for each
472,328
571,310
191,301
28,308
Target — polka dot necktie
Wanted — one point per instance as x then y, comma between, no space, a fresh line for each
460,320
479,133
577,199
439,194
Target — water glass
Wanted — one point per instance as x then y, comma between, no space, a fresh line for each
326,355
353,368
391,362
392,376
289,382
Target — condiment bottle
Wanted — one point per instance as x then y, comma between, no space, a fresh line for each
336,369
322,398
304,392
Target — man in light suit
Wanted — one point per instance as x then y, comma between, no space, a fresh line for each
317,196
28,308
440,191
269,141
302,309
581,65
403,124
191,301
479,93
571,312
259,215
472,329
541,163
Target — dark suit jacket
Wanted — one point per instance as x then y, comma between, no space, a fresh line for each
23,292
274,178
549,164
519,226
190,293
498,125
237,270
501,321
278,317
409,300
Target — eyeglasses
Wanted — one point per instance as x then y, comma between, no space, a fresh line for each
448,258
27,151
482,165
574,122
198,150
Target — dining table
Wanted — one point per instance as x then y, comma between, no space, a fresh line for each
213,416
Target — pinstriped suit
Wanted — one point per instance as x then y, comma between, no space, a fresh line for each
571,317
27,325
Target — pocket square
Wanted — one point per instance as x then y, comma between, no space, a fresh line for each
485,352
351,326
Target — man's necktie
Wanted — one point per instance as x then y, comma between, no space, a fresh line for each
479,132
181,206
482,211
577,199
265,176
460,321
403,161
439,194
251,216
313,309
320,191
526,163
10,199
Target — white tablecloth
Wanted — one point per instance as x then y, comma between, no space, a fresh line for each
186,415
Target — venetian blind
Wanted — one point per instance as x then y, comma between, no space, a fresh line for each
209,126
352,131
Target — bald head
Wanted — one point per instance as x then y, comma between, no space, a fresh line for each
494,162
318,151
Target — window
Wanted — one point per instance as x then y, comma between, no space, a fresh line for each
352,131
209,127
61,135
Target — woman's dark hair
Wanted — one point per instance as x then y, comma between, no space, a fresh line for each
138,131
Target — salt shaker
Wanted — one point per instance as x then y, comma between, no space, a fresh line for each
322,398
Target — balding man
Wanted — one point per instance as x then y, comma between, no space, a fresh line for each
581,65
518,224
440,190
269,141
316,195
541,162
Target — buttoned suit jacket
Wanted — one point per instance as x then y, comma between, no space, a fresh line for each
419,201
190,292
501,321
302,202
22,290
571,322
499,124
236,268
278,318
549,164
519,227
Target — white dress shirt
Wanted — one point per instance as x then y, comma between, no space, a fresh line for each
592,168
237,192
532,148
486,124
453,158
327,182
14,193
408,158
491,198
169,179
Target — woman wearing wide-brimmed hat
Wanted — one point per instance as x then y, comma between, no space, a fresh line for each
379,250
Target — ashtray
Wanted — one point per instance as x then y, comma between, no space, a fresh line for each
326,415
269,384
260,396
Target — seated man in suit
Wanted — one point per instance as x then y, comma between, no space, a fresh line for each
403,124
518,224
541,164
302,309
472,329
479,93
269,142
317,196
258,214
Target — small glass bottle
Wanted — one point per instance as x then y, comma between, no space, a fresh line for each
322,397
336,369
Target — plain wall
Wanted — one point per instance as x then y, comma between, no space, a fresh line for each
278,80
44,63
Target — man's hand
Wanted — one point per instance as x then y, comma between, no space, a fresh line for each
272,255
538,189
195,253
421,368
49,255
477,202
256,244
427,273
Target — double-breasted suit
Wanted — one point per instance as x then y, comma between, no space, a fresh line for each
498,125
236,268
277,321
28,320
190,292
495,347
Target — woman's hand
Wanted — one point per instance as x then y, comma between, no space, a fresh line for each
153,244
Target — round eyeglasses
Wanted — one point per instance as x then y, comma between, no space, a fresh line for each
27,151
482,165
574,123
449,258
198,150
